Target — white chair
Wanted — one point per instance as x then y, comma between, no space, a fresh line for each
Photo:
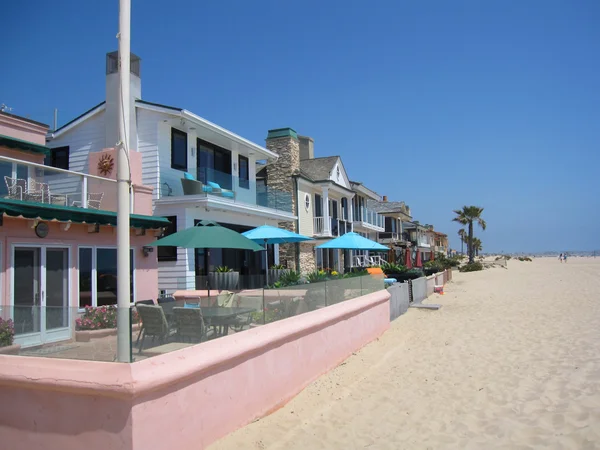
94,199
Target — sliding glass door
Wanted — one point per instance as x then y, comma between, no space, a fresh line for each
40,294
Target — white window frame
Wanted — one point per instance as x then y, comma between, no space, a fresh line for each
95,249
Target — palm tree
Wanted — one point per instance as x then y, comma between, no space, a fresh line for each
467,216
477,246
463,237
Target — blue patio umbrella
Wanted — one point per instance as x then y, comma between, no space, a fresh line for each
354,241
267,234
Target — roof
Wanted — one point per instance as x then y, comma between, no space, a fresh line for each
20,144
144,102
45,211
81,116
318,169
4,113
389,207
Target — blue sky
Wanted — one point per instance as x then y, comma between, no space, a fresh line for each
438,103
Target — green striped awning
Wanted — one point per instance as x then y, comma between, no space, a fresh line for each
20,144
45,211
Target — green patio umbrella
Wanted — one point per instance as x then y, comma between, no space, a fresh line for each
206,235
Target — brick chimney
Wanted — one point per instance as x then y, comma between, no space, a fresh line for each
385,198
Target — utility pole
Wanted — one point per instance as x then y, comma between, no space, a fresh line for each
123,186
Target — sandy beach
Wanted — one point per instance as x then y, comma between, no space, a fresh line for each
511,360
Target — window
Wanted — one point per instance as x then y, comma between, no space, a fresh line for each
307,201
58,157
244,172
213,164
318,206
390,225
98,276
168,253
178,149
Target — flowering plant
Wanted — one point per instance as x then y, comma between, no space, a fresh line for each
7,332
100,318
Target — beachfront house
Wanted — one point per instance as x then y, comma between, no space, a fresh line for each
367,222
324,200
199,171
440,242
393,235
421,239
58,234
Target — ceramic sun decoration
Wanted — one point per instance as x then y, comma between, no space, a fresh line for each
106,165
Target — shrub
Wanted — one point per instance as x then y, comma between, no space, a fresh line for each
277,267
223,269
471,267
356,273
431,267
317,275
100,318
290,278
392,268
7,332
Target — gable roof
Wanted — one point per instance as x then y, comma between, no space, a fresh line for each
70,124
318,169
389,207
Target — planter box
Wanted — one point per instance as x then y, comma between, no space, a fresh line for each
10,349
88,335
224,281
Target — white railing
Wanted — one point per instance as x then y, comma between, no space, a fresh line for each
32,182
367,261
318,226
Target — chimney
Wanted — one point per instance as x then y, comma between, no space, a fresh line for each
385,198
307,147
111,113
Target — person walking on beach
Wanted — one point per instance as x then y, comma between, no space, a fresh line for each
565,258
560,258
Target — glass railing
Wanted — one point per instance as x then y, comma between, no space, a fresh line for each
30,182
222,185
366,215
159,326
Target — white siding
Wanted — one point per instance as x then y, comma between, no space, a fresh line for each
85,138
305,217
147,127
343,179
167,174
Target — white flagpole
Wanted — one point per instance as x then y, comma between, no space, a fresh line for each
123,185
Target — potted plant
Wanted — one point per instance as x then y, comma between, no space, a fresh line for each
224,279
275,273
7,336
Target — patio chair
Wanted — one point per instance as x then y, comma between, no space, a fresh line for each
94,199
154,324
16,187
217,189
194,187
189,324
37,191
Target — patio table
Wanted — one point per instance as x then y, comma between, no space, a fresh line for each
218,315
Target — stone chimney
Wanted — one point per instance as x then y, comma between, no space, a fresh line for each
307,147
285,142
113,100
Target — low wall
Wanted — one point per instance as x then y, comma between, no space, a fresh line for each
186,399
439,279
399,299
430,284
419,289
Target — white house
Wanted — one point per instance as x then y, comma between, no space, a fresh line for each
176,143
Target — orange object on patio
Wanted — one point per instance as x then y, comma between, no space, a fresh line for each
374,271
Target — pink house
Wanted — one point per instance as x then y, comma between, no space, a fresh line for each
58,234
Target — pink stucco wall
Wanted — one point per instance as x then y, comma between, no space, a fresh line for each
186,399
23,129
15,231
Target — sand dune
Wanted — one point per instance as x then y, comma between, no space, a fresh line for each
512,360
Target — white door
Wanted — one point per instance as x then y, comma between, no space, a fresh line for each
40,294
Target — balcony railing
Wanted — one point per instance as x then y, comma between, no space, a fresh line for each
337,227
225,186
32,182
370,217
